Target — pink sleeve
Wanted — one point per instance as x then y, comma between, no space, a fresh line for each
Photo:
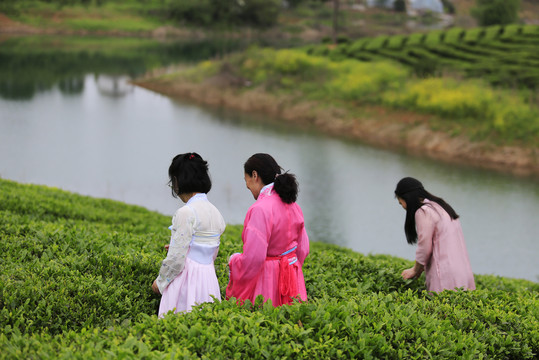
425,224
248,264
303,245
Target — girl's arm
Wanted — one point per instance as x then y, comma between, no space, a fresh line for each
425,224
183,225
303,246
303,240
247,265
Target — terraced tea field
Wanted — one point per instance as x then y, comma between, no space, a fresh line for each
502,55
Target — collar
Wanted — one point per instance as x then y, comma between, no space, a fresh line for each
196,197
266,190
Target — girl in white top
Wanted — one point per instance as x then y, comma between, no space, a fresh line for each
187,275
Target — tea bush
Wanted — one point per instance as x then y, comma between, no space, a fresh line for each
76,276
467,51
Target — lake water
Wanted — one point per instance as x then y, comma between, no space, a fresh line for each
111,139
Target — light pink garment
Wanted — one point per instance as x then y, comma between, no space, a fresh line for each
187,275
195,285
442,250
271,227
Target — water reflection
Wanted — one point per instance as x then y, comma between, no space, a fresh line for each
114,86
49,61
29,65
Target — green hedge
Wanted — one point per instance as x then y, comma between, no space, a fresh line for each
468,46
76,276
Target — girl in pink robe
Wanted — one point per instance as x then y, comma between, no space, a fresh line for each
275,243
435,227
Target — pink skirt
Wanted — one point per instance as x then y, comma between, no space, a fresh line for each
195,285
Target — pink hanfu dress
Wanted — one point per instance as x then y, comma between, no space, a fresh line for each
187,276
275,245
441,249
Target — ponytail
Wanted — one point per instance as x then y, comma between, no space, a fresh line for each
286,186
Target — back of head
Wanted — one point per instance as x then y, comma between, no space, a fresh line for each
408,185
189,173
285,185
413,193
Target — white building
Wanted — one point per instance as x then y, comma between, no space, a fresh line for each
412,6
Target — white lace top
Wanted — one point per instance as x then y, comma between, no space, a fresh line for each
197,222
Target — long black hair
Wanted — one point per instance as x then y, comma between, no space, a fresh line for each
284,184
413,193
189,173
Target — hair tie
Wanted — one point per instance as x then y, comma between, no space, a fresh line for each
191,157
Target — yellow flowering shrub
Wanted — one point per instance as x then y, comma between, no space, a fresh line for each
468,100
361,81
444,96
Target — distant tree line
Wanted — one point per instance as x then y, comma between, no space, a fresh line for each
265,13
257,13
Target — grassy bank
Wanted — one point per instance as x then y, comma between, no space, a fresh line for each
76,275
126,17
471,107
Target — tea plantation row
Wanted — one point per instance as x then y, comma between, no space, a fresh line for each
503,55
76,276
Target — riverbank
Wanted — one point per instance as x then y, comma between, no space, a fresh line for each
374,125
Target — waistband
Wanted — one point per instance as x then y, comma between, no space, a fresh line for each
291,256
202,253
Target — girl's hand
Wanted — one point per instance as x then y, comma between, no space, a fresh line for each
414,272
167,246
409,274
155,288
231,256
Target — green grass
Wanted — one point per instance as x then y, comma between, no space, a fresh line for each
76,275
112,16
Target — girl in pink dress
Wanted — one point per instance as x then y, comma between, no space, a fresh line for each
187,275
275,243
434,226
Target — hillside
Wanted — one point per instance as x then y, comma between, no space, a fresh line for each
76,276
309,23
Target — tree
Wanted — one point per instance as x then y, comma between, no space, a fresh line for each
260,13
496,12
399,5
335,20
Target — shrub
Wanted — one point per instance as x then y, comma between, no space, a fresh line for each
470,101
399,5
448,6
494,12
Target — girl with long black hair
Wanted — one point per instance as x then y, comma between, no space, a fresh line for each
435,227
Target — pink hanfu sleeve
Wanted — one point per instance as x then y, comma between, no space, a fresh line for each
425,224
246,267
303,246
